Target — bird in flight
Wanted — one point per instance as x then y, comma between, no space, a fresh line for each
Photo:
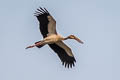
47,25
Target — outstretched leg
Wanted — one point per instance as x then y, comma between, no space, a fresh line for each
36,44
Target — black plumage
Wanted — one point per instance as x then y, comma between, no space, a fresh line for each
41,15
66,60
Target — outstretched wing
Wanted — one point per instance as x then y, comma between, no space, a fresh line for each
64,53
46,22
47,27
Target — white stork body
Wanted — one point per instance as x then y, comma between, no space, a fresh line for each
54,40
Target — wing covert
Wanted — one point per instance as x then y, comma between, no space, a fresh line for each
51,25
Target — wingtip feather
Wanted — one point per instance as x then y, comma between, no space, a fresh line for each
41,11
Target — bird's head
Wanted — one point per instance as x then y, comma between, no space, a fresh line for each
75,38
71,37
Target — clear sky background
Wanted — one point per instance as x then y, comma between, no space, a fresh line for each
96,22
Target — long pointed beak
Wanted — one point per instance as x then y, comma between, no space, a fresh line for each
77,39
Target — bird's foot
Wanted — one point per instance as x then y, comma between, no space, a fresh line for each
36,44
29,47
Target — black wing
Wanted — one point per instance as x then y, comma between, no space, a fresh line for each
66,60
41,15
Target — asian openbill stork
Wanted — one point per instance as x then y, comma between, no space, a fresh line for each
55,41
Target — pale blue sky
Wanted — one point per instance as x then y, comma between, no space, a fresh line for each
96,22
